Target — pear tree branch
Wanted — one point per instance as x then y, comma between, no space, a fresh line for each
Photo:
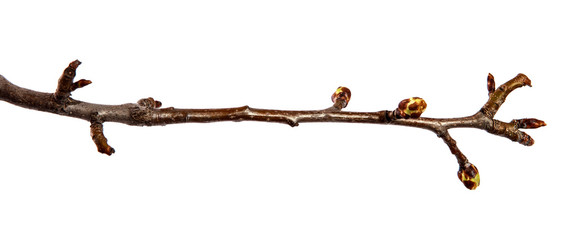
148,112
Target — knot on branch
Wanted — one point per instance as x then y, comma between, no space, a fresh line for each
142,113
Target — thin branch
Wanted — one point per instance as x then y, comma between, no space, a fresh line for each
96,132
147,112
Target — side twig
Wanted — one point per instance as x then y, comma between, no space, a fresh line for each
148,112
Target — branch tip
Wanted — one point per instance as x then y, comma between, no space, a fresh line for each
525,139
96,132
526,80
529,123
80,84
491,84
469,176
74,64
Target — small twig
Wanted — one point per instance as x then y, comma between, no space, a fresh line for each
96,132
468,173
340,98
147,112
66,82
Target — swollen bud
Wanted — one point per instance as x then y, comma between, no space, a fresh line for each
342,94
411,108
469,176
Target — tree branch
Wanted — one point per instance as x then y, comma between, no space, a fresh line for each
147,112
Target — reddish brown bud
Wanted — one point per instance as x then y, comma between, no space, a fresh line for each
74,64
491,84
157,104
529,123
80,83
411,108
342,94
469,176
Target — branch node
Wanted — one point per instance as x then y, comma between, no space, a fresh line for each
142,113
389,116
292,123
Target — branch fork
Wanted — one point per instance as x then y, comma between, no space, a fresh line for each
148,112
66,83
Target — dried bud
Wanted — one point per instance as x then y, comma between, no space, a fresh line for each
412,107
342,94
469,176
491,84
149,103
529,123
96,132
74,64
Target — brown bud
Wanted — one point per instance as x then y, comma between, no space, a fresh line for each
469,176
80,83
529,123
412,107
149,103
491,84
342,94
74,64
157,104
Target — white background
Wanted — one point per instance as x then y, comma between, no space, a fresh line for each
254,180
